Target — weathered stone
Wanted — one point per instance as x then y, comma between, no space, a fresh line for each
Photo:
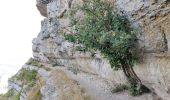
152,19
79,70
42,8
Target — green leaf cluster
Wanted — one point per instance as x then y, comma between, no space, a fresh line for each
105,30
28,76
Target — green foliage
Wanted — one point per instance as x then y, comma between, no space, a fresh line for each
119,88
11,95
17,96
105,30
70,37
28,76
134,90
81,48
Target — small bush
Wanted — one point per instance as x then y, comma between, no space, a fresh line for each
27,76
131,87
119,88
17,96
11,95
134,90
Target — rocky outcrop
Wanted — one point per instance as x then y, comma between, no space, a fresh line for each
75,75
152,19
65,83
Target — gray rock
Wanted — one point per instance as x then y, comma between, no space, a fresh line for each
151,17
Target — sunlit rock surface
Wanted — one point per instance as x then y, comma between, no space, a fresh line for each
75,75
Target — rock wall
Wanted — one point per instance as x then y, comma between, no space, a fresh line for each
94,75
151,17
50,46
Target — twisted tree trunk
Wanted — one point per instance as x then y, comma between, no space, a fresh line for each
130,74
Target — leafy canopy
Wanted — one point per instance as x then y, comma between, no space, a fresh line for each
105,30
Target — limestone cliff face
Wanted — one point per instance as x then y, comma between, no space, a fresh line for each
75,75
151,17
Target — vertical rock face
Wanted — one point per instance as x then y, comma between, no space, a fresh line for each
151,17
50,46
75,75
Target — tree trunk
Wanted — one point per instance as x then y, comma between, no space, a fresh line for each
130,74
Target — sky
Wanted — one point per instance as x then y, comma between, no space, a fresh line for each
20,22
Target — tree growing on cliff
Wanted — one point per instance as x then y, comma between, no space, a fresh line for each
105,30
